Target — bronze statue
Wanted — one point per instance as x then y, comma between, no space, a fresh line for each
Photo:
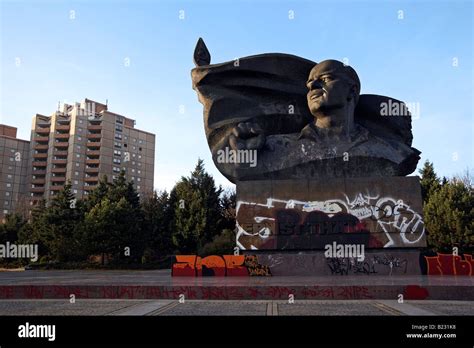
278,116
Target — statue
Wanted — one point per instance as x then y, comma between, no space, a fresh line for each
279,116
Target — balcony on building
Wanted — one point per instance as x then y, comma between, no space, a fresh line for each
63,127
38,181
57,187
38,171
92,161
57,179
60,153
93,144
58,169
39,163
59,161
40,147
40,155
61,136
94,128
93,154
40,139
63,120
94,135
92,170
41,131
61,144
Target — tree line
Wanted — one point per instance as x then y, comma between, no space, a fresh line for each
114,224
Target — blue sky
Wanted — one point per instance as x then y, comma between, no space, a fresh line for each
47,56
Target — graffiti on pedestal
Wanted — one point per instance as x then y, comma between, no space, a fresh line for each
218,266
449,264
376,222
373,265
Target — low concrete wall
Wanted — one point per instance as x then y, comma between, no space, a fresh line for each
315,263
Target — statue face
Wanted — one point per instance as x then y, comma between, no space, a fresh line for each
328,88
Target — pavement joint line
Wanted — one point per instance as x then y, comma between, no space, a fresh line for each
387,309
120,309
163,309
274,308
269,309
142,308
405,308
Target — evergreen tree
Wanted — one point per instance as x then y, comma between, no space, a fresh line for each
197,210
11,227
62,235
106,232
228,204
97,194
157,223
449,217
35,231
429,180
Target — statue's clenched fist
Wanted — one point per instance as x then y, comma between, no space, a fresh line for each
247,136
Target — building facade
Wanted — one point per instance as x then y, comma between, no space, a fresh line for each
14,162
81,143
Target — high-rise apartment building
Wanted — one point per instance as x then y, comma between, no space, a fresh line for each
81,143
14,162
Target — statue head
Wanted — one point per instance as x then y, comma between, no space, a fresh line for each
331,86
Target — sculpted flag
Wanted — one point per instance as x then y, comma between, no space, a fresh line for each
268,91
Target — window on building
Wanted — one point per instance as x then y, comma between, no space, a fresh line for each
9,185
